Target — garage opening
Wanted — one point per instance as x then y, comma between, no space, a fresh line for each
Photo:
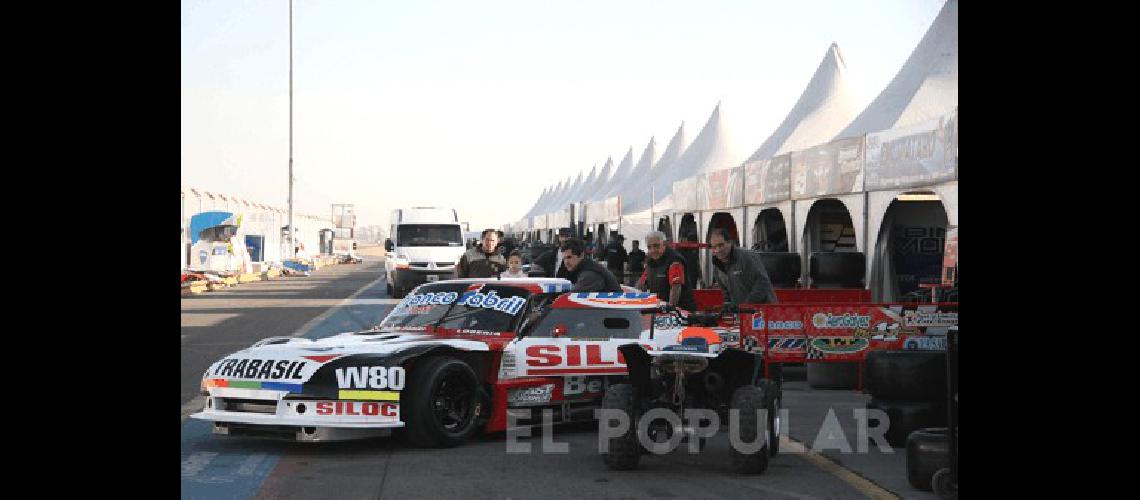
908,252
769,233
666,227
722,220
687,232
602,236
830,257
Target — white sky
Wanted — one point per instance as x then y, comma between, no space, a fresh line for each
481,105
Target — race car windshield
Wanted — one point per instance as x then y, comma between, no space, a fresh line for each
428,235
487,309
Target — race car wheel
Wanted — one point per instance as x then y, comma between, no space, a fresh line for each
625,450
441,403
747,400
927,452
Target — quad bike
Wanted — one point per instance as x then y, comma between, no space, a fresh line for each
688,370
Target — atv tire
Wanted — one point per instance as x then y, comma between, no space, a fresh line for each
625,450
927,452
906,375
748,399
774,395
837,375
442,403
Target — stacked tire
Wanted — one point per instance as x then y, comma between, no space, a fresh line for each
910,387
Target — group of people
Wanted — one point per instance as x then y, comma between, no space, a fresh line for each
738,271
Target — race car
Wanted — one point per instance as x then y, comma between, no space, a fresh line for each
451,359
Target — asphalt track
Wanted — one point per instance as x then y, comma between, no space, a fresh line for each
350,297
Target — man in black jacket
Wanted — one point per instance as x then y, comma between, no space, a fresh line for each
551,260
586,273
739,272
636,262
665,273
616,257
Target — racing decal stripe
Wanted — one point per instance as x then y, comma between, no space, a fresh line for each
573,371
250,384
281,386
370,395
244,384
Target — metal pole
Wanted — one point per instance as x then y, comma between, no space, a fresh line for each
290,250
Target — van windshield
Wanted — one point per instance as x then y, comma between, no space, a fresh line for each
428,235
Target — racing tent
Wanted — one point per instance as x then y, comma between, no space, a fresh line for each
894,166
825,106
636,200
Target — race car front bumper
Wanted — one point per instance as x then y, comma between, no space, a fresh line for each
299,419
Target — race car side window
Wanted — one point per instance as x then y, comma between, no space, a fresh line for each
591,324
539,306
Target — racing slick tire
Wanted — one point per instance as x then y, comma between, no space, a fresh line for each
836,375
906,417
747,399
906,375
625,450
927,452
441,404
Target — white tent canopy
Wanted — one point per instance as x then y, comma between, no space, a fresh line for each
620,176
640,174
578,195
638,193
564,199
710,150
925,88
601,184
824,107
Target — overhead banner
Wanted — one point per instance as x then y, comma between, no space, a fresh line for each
685,194
920,155
716,190
538,222
832,168
702,192
735,188
612,209
768,181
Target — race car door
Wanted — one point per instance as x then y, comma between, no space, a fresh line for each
581,347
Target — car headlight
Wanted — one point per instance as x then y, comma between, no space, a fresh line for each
402,261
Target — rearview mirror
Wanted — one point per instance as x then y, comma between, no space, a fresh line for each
388,246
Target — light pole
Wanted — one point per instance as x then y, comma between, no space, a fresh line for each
290,250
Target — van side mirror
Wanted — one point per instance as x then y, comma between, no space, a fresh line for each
388,246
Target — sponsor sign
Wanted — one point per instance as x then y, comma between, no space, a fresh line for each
822,320
930,318
576,386
537,394
370,377
839,345
263,369
919,155
382,411
925,343
489,300
768,181
615,300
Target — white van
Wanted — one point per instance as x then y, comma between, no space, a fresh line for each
426,244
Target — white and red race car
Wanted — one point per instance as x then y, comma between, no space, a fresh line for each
450,360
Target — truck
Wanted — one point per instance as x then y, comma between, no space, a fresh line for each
425,246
